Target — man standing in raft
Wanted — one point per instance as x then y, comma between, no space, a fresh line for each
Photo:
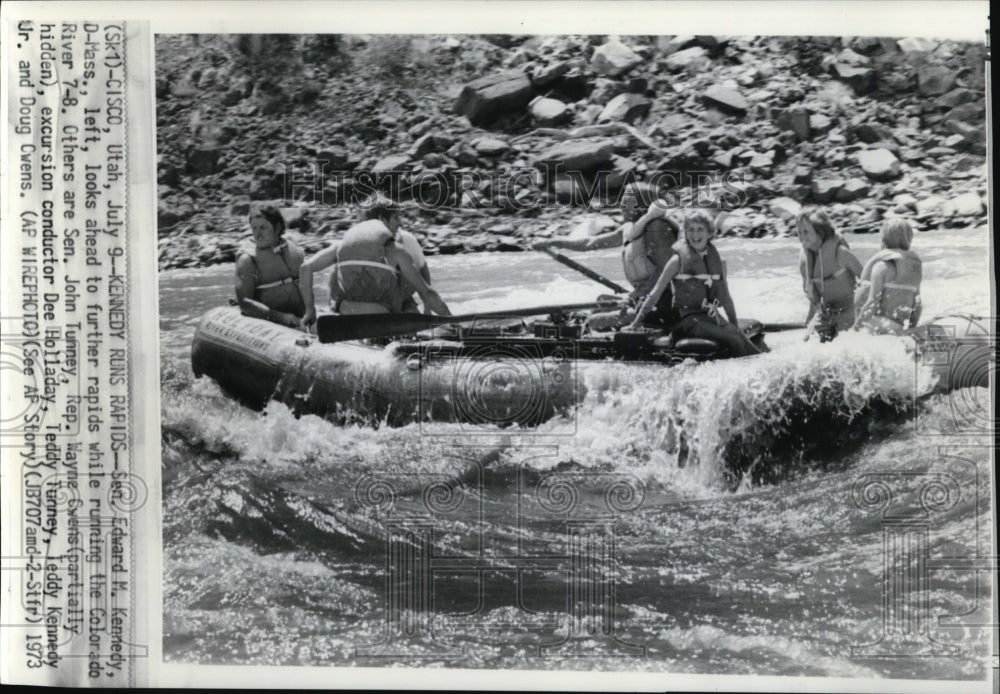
889,296
368,268
698,276
829,273
647,245
267,279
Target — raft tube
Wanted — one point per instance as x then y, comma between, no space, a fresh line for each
256,361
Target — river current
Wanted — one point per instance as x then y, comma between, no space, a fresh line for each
615,537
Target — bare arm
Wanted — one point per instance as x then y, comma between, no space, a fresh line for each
246,284
849,260
402,260
879,276
320,261
609,239
669,271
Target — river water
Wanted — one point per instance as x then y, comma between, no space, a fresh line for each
616,537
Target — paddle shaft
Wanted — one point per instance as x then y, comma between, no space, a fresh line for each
614,286
335,328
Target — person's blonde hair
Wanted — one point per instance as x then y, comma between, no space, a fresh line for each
896,233
699,217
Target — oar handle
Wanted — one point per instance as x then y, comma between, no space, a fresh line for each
610,284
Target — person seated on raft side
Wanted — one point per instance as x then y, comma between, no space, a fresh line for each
267,278
367,269
698,276
888,299
647,245
829,273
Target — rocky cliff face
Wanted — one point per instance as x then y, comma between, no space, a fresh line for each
493,141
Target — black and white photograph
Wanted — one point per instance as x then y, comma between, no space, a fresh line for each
508,345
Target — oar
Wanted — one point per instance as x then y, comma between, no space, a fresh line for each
332,328
782,327
614,286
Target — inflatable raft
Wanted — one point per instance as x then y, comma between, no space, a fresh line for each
483,378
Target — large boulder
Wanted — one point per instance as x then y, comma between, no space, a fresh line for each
725,99
935,80
916,44
614,59
879,164
203,160
853,189
490,146
578,155
393,162
968,204
484,100
625,107
825,190
690,58
860,79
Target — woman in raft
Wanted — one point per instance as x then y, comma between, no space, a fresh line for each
888,300
698,277
371,273
267,278
829,274
646,245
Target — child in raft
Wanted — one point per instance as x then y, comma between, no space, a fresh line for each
829,274
888,300
698,277
267,277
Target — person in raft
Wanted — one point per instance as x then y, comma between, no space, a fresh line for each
647,244
368,267
698,277
267,278
888,299
829,273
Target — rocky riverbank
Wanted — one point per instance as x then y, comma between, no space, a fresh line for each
494,141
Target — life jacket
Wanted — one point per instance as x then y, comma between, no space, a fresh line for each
825,280
277,281
899,297
646,251
696,285
408,242
360,272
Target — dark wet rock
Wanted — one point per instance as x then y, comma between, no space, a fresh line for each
335,159
726,99
795,120
625,107
574,86
860,79
614,59
879,164
202,161
871,133
577,155
637,85
972,134
486,99
825,190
